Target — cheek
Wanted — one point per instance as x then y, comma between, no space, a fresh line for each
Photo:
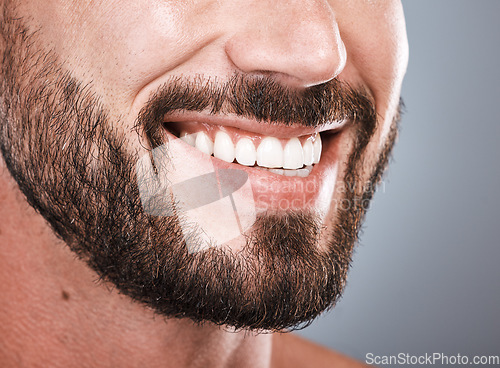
126,50
118,46
374,33
377,48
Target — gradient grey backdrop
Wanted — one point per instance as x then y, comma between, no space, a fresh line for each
426,276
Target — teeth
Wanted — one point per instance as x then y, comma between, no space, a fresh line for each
224,147
308,152
270,153
245,152
295,159
304,172
188,138
317,149
277,171
204,143
293,155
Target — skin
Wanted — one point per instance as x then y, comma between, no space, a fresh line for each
53,312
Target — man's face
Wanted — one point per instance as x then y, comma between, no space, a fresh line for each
286,112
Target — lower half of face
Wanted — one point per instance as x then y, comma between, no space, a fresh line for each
236,203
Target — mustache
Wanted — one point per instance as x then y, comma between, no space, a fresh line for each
260,98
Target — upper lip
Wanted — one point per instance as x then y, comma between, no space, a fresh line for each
254,126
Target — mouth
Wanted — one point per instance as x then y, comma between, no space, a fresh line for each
281,150
289,167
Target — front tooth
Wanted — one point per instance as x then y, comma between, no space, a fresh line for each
224,147
204,143
245,152
293,155
188,138
270,153
303,173
317,149
308,149
277,171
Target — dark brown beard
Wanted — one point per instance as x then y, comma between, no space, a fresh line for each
74,169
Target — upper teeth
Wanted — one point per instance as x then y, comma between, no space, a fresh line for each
270,152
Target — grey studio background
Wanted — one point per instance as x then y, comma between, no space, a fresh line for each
426,276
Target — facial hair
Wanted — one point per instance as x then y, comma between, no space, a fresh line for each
75,169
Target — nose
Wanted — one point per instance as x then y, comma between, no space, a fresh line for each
297,40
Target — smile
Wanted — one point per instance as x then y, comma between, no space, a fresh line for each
288,167
287,151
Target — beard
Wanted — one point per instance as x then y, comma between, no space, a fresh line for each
76,169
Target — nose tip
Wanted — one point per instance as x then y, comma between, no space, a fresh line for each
306,50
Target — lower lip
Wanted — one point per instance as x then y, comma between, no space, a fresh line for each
276,192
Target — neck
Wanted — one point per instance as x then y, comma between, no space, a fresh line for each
55,312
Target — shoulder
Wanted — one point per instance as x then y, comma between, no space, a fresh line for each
293,351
